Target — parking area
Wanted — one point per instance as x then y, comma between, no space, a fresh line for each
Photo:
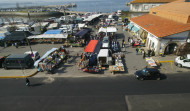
132,62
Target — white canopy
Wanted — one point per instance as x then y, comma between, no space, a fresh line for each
53,25
103,53
81,25
108,29
40,24
44,56
91,17
49,36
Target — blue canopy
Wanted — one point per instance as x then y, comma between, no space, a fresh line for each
2,37
135,29
82,32
57,31
130,26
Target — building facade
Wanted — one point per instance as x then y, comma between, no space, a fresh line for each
141,7
165,28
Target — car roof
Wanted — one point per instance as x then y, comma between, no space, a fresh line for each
29,52
17,56
151,69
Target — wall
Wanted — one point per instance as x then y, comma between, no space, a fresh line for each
152,40
179,39
143,7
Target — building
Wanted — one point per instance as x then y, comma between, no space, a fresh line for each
141,7
165,28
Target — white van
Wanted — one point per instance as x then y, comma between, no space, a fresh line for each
183,61
35,55
105,57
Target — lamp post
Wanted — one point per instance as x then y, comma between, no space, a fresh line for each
28,43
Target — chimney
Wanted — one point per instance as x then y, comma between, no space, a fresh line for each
187,0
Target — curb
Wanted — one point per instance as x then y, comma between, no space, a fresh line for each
20,76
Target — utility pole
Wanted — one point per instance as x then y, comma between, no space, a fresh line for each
28,42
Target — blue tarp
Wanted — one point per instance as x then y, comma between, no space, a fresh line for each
81,33
58,31
2,37
44,56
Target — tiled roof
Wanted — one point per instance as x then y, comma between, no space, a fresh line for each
177,7
152,1
160,27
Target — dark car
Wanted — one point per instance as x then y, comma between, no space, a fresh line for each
148,73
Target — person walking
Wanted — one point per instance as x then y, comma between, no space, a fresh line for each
123,42
128,39
149,52
144,54
137,51
140,51
27,82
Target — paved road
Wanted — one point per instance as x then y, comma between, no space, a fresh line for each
83,94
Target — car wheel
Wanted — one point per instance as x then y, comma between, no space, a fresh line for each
176,64
158,78
179,65
141,78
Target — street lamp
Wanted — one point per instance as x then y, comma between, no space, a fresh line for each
28,44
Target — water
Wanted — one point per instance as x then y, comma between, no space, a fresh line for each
82,5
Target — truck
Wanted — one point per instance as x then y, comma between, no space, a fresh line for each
105,57
182,61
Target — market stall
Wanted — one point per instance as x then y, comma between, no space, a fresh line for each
118,67
51,59
151,62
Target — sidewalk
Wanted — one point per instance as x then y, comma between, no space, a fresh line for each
17,73
136,62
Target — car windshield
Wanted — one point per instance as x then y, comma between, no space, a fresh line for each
105,41
144,72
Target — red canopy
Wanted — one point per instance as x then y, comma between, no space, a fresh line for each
91,46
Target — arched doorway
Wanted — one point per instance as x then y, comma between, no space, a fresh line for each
171,49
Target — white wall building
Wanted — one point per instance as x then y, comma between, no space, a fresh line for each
141,7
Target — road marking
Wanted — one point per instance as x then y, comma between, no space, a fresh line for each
166,61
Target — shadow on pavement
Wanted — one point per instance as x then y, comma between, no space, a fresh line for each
37,84
125,66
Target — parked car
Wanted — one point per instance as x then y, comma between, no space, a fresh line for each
34,54
148,73
183,61
18,61
106,43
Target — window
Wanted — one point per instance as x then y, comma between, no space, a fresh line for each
136,6
153,44
146,7
153,6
